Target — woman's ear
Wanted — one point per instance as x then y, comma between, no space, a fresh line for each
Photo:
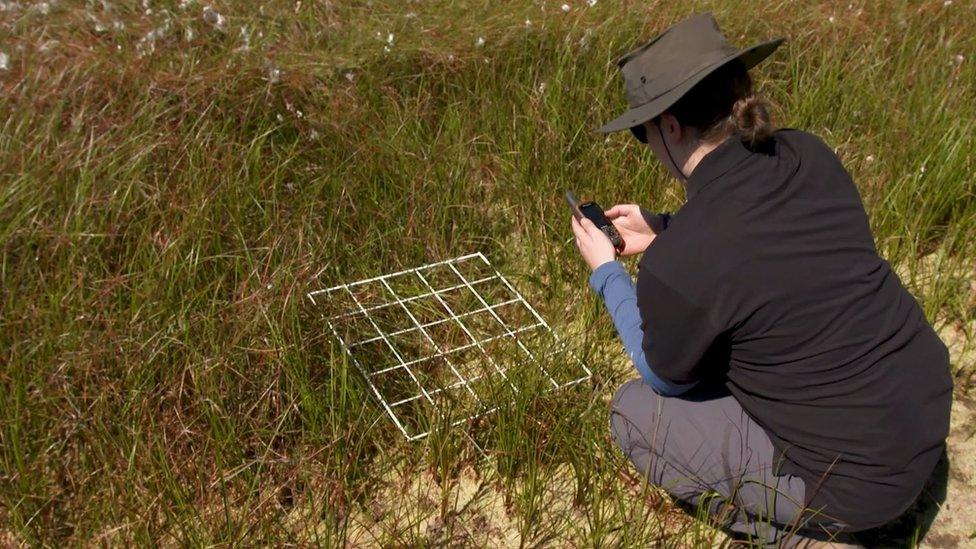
671,127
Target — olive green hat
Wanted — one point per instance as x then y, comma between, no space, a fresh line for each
658,73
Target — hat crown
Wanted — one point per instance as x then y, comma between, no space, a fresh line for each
675,55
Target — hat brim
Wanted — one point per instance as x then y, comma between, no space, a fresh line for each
750,57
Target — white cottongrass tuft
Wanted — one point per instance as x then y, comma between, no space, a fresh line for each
591,3
213,18
480,42
958,59
870,158
4,61
565,8
147,44
245,39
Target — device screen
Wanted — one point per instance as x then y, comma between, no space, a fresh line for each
594,213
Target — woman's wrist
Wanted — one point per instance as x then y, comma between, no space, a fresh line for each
603,273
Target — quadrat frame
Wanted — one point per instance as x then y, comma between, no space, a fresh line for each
445,342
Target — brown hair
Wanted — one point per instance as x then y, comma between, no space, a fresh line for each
723,104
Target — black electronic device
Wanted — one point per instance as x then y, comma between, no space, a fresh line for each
592,211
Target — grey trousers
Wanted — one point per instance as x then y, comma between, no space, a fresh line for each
705,451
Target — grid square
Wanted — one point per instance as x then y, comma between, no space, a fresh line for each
354,328
335,303
484,325
445,342
506,353
448,335
396,385
391,319
426,309
460,300
474,269
459,402
371,295
440,277
515,316
407,285
494,292
374,356
472,363
412,345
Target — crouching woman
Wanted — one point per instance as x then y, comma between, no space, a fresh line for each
789,384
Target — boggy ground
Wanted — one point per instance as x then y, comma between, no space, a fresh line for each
176,175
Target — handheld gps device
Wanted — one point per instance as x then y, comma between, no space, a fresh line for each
592,211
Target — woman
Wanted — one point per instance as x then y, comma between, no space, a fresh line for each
789,382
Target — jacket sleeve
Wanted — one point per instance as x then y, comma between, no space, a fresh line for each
611,282
680,339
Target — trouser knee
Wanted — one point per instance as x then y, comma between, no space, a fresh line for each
633,415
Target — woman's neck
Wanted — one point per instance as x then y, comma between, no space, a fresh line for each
695,156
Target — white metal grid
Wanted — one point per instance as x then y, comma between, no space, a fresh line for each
438,342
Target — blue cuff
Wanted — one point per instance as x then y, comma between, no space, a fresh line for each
602,274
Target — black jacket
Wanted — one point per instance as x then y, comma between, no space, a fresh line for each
768,277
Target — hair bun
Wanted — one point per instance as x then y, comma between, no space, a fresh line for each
751,121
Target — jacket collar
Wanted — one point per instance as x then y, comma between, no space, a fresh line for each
717,162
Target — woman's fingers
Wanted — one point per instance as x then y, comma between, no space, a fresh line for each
579,231
622,210
591,229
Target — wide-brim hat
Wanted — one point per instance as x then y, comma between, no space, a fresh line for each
657,74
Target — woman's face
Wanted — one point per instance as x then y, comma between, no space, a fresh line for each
667,126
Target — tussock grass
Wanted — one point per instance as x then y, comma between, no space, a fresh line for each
168,196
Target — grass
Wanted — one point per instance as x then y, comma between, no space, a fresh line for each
169,195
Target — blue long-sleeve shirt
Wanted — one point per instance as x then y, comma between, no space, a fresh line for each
611,282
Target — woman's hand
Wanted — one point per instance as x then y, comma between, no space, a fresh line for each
593,245
632,227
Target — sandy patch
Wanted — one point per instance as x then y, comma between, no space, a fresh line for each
955,521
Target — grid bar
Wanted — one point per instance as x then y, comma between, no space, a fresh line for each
432,342
542,321
465,328
507,329
412,298
390,345
435,322
456,349
405,271
376,392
